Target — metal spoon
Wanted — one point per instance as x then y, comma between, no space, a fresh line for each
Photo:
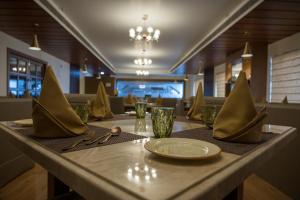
101,137
114,132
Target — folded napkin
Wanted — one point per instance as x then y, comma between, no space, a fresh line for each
195,111
100,106
52,115
130,99
159,101
238,120
285,100
27,94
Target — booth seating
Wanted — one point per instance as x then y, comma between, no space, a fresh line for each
12,161
116,103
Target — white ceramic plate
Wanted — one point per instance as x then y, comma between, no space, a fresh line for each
24,122
183,148
133,113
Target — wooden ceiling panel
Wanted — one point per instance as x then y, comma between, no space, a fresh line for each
17,18
269,22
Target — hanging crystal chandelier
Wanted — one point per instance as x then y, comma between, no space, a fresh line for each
144,33
142,72
142,61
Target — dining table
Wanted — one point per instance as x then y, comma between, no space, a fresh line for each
123,169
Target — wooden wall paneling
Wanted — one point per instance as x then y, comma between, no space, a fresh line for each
74,78
91,84
209,81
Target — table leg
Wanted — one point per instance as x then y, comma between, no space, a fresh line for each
236,194
56,188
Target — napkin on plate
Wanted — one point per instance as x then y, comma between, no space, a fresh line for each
100,106
195,110
24,122
52,115
238,120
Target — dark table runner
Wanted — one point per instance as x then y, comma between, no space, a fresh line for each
198,133
57,144
229,147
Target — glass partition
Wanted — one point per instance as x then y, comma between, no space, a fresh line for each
166,89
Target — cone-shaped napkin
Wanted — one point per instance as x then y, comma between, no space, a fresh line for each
100,106
159,101
27,94
238,120
130,99
285,100
195,110
52,115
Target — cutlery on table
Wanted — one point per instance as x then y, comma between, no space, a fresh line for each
116,131
112,130
89,137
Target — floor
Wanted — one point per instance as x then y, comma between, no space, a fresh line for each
33,185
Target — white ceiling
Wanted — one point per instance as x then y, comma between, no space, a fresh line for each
104,24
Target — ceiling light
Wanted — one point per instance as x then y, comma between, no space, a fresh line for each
247,51
84,68
142,61
142,72
99,76
144,33
102,73
35,44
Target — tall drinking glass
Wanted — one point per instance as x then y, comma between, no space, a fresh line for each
162,121
140,109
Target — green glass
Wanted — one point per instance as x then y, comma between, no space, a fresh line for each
140,109
162,121
82,111
209,113
140,126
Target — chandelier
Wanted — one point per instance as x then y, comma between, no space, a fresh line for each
142,61
144,33
142,72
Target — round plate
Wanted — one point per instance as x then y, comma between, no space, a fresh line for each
24,122
182,148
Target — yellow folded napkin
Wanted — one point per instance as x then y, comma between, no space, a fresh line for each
130,99
195,111
27,95
159,101
100,106
238,120
52,115
285,100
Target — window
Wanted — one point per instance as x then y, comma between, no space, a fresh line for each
219,80
166,89
285,77
24,74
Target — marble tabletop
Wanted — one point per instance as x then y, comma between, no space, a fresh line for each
128,171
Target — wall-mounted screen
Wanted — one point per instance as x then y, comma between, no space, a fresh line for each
166,89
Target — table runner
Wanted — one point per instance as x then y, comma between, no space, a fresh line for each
198,133
57,144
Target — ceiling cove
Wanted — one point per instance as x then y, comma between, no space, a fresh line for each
186,27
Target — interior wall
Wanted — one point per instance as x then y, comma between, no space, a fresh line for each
61,68
280,47
91,84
